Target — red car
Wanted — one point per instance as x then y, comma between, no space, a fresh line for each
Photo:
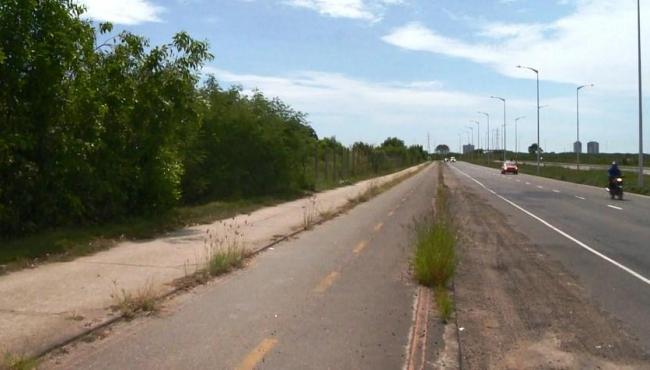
509,167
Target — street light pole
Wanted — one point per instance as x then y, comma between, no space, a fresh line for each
538,143
578,123
516,137
504,124
638,20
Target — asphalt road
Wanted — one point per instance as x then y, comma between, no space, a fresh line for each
604,243
337,297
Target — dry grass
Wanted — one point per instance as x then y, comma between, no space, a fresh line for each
130,303
310,214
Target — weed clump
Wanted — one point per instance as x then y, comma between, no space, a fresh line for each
435,261
17,362
444,303
130,304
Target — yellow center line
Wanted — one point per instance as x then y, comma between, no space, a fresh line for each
379,226
360,246
256,355
327,282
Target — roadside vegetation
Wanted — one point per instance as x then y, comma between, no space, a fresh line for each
434,262
15,362
596,178
104,136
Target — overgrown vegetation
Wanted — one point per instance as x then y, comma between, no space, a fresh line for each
130,304
99,127
226,251
16,362
434,262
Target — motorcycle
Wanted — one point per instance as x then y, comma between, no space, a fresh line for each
616,188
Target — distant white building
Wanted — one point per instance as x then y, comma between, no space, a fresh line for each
468,148
577,147
593,147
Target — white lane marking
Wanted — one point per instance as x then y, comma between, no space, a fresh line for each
581,244
579,197
611,206
527,183
518,180
540,187
556,191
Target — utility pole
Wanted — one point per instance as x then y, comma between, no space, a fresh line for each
488,133
578,123
517,137
638,20
504,124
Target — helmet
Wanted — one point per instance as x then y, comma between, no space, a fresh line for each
614,163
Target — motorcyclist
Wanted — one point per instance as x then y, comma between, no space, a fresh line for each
613,172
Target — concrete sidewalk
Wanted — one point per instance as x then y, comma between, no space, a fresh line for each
44,306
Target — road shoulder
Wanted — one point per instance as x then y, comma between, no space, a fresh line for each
517,308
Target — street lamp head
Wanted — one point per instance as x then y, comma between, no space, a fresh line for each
531,68
497,97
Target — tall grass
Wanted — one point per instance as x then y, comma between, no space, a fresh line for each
434,262
435,257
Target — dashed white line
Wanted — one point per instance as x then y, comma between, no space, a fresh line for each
527,183
556,191
518,180
611,206
578,242
540,187
579,197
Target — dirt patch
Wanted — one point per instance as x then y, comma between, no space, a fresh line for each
519,309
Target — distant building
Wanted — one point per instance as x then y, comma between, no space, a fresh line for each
577,147
593,147
468,148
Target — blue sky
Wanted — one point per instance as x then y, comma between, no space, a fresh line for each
368,69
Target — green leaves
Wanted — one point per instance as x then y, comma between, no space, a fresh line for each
90,133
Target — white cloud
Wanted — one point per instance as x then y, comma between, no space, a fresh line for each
597,43
370,10
122,11
354,109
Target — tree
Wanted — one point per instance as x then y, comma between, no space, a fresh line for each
442,149
532,149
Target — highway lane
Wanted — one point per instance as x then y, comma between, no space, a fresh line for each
337,297
617,230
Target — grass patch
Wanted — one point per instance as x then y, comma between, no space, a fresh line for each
223,261
143,300
17,362
434,261
444,303
435,258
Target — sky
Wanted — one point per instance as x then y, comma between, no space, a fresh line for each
364,70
